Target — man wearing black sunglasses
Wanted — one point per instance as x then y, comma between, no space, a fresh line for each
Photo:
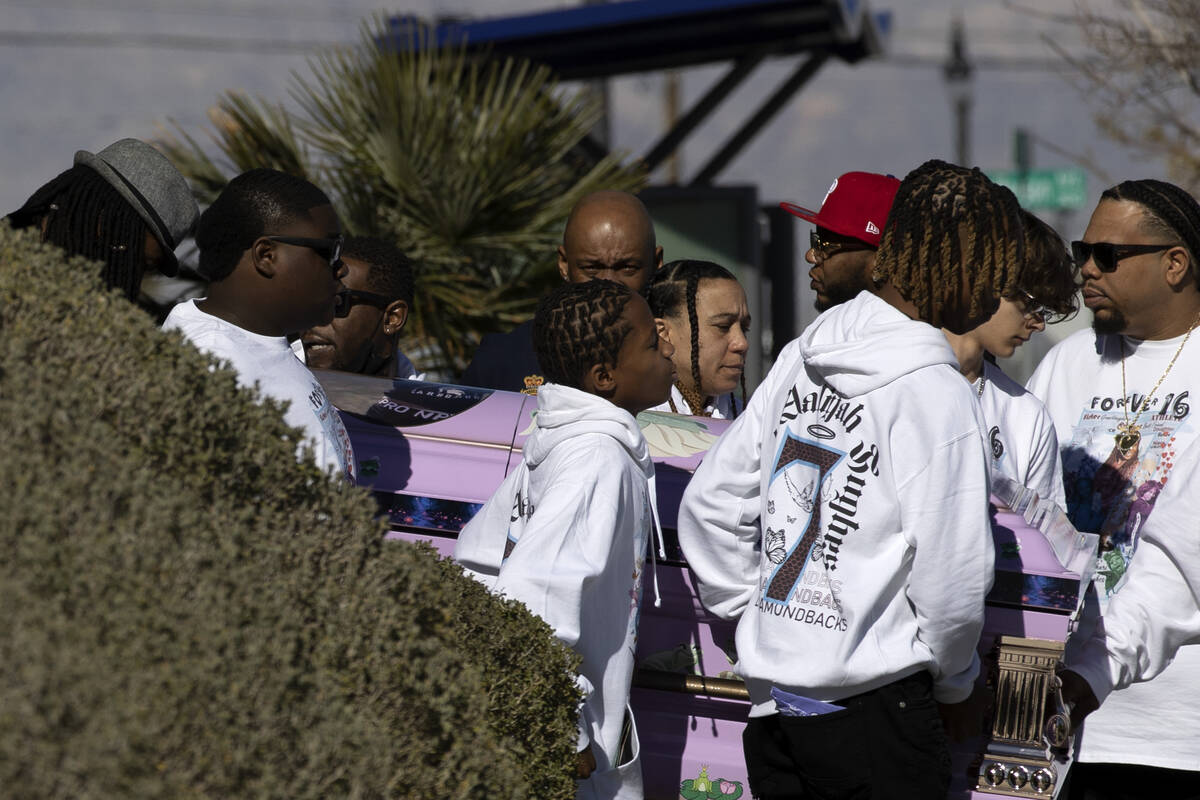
371,313
270,245
1121,399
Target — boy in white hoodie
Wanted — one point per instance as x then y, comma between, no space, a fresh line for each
566,532
843,517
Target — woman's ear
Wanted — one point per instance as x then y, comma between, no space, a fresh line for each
664,330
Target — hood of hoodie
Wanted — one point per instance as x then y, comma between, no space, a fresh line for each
564,413
866,343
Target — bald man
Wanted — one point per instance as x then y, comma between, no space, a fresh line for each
608,235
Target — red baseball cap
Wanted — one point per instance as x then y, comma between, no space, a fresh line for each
856,205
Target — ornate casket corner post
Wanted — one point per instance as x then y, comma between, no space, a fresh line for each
1017,761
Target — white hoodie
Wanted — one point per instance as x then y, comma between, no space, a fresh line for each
566,535
862,459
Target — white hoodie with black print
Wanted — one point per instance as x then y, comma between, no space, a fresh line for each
843,517
566,535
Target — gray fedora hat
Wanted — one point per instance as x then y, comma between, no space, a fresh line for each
152,185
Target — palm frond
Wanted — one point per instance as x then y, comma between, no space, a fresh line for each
470,164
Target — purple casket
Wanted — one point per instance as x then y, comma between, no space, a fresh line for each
433,453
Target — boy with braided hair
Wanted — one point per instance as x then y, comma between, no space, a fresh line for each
842,519
566,532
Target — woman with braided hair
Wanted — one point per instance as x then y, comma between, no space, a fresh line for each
126,207
842,519
701,309
566,532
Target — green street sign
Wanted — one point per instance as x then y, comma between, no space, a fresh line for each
1046,189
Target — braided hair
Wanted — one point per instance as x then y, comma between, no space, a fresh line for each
86,216
579,325
1050,274
1169,211
948,226
671,291
389,271
254,204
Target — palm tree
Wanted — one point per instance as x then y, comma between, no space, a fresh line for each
470,165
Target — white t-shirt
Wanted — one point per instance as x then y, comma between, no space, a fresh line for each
1155,723
268,361
722,406
1020,434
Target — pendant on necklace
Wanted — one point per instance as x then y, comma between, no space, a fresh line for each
1127,438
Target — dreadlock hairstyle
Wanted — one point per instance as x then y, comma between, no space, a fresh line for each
673,291
1050,274
389,271
579,325
949,225
254,204
86,216
1169,211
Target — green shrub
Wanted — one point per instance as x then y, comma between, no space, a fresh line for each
187,611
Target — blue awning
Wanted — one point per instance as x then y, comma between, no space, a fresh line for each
608,39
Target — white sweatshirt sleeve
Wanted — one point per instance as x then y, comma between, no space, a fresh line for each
480,545
719,513
945,516
1157,610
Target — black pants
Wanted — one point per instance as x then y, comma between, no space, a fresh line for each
1130,782
888,743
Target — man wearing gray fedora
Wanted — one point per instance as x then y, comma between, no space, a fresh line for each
125,206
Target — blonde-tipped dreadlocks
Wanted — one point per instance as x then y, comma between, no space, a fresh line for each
951,227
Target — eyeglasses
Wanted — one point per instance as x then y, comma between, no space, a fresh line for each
350,298
328,249
1106,254
825,250
1030,307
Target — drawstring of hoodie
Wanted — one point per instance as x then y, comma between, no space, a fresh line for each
656,535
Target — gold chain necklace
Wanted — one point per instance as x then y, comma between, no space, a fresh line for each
1130,433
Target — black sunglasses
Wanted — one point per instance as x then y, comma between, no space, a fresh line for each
328,249
826,249
1106,254
350,298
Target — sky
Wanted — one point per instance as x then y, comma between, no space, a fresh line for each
79,74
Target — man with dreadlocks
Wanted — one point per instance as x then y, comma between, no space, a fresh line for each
842,519
126,207
1120,398
271,245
